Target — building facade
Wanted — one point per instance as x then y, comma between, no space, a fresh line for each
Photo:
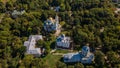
63,42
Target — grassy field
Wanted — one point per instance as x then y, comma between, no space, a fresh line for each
52,59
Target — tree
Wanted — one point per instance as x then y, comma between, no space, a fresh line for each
40,43
67,6
60,65
79,36
22,51
82,22
4,63
27,60
13,62
99,59
5,37
117,66
70,66
16,43
89,67
2,7
62,7
112,57
40,63
47,46
79,65
9,5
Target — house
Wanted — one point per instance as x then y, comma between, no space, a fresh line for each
116,1
84,56
15,13
63,42
56,9
31,48
52,24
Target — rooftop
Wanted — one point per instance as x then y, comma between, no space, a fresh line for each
15,12
72,57
51,24
63,38
84,56
30,44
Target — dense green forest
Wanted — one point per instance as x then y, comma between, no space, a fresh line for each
91,21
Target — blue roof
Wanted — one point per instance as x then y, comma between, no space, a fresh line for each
59,39
72,57
85,48
78,57
62,35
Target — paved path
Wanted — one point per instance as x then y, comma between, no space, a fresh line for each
52,51
58,31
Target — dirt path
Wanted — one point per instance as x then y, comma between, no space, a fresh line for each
58,31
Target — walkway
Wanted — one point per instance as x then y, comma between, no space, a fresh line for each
52,51
58,31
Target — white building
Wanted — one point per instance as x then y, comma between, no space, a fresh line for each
63,42
16,13
85,56
52,24
30,45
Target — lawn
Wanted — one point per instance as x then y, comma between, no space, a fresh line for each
52,59
62,51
